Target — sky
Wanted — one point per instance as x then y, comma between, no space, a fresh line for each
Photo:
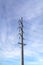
10,13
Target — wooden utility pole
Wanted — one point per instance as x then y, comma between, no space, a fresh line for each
21,40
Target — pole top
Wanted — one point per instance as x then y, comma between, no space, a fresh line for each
21,19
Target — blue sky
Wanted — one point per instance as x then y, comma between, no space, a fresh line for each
10,13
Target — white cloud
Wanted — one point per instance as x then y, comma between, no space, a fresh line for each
41,60
10,53
33,63
30,10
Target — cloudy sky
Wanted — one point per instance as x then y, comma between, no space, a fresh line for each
10,13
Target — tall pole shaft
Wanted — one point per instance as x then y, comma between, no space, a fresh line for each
21,40
22,47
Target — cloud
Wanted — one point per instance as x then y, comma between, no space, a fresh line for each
32,11
10,53
14,9
34,63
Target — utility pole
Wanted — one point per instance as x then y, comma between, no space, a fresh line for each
21,40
